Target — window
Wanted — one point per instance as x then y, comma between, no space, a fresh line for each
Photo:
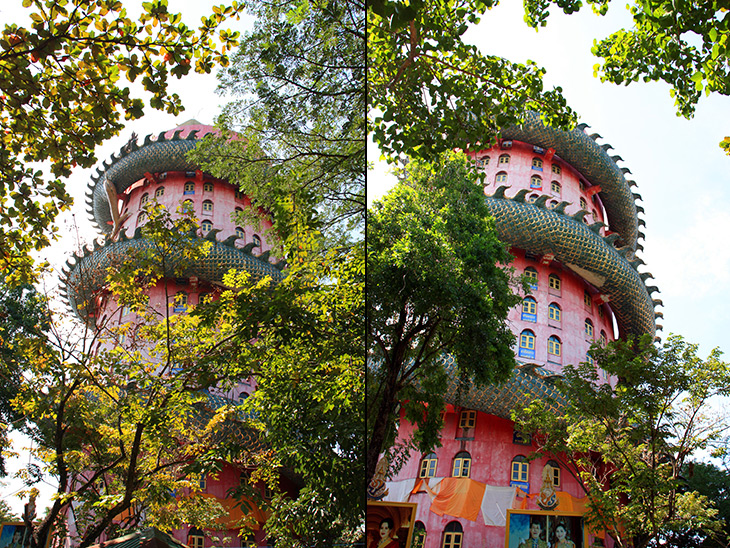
554,312
207,226
555,188
556,169
142,217
554,473
248,542
582,186
600,311
208,187
240,233
501,177
242,397
527,344
538,150
462,464
554,346
587,300
160,192
188,206
419,535
583,204
529,310
531,273
589,328
603,338
180,304
520,469
207,207
143,199
504,159
535,181
428,466
483,161
537,164
239,195
554,282
453,535
203,483
189,188
256,241
468,419
532,198
196,538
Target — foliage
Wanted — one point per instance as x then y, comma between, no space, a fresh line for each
23,316
6,513
64,88
429,91
627,441
435,286
123,425
298,83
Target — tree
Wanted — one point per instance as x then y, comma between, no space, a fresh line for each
64,88
714,483
298,83
435,286
430,92
23,314
121,427
627,441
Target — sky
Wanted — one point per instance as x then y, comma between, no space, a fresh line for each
680,171
198,94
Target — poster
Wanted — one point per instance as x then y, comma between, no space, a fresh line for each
535,529
13,535
389,524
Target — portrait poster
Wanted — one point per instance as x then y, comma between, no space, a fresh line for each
389,524
538,529
13,535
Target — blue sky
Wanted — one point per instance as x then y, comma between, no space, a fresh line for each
680,171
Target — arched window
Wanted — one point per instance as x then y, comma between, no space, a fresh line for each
531,273
428,466
587,301
207,207
242,397
143,199
553,203
527,344
467,419
196,538
555,188
588,328
529,310
189,188
556,169
537,164
188,206
256,241
483,162
180,303
207,226
142,217
554,473
501,177
554,284
240,234
453,535
554,312
419,535
520,469
554,346
462,465
583,204
208,187
504,159
532,198
603,338
239,195
160,191
535,181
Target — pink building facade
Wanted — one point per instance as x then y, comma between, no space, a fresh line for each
158,170
570,216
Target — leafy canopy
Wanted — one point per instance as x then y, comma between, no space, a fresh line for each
626,441
65,88
436,285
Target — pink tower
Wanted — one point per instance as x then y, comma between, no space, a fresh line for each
569,214
158,169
